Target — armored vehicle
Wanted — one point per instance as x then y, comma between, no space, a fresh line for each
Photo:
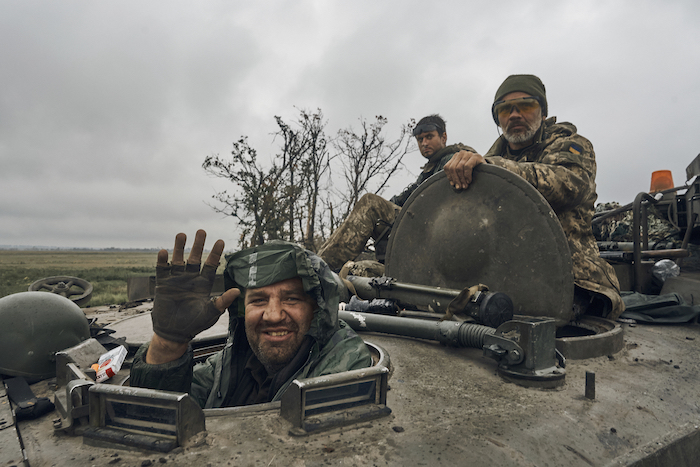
532,389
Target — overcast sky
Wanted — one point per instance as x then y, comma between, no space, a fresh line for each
107,109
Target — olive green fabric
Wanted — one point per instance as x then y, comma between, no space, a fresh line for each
529,84
370,216
561,165
435,164
225,378
658,309
268,264
276,261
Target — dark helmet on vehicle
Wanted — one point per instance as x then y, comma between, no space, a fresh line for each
33,327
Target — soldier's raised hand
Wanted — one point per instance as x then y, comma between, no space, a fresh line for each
182,307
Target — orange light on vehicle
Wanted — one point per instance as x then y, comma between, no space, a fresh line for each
661,180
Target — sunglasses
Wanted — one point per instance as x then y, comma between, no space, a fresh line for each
427,128
503,109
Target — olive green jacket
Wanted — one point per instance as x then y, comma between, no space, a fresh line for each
561,165
433,166
225,378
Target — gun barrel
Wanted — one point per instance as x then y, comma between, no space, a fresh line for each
450,333
436,298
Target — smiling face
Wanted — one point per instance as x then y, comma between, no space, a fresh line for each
277,317
519,126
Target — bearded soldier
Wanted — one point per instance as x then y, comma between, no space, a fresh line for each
561,165
283,312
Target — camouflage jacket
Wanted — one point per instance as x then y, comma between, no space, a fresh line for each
234,376
561,166
619,228
434,165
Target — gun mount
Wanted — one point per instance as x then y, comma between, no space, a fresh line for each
500,232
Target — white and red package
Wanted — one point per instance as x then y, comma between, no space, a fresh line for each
110,363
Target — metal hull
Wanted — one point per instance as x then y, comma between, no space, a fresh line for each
449,407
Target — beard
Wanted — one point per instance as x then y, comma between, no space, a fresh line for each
520,136
274,356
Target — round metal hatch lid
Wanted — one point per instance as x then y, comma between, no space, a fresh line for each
499,232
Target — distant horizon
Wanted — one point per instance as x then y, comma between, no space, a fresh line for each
54,248
64,248
206,251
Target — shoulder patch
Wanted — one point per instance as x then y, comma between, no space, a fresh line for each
575,148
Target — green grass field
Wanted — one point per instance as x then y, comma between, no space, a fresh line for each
106,270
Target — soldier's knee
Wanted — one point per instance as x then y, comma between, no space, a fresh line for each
370,198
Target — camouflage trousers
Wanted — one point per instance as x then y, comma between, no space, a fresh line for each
369,218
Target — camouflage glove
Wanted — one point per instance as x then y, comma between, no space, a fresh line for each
182,307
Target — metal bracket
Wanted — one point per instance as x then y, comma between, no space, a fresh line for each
502,349
82,355
536,340
330,401
73,401
144,418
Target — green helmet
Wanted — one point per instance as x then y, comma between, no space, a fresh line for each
33,327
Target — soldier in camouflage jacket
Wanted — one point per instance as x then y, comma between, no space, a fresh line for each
561,165
372,214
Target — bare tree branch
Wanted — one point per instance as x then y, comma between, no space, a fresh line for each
294,198
368,159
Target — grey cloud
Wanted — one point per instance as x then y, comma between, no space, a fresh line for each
113,106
